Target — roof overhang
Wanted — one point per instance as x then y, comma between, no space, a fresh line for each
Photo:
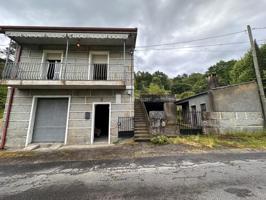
57,35
186,100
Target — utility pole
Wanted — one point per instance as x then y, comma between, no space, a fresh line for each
257,71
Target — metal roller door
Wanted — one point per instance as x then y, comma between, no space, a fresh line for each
50,120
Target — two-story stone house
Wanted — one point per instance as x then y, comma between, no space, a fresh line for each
67,85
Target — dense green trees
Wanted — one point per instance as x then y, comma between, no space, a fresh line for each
228,72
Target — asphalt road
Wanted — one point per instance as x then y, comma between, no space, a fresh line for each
187,176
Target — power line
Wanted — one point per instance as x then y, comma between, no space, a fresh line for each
195,46
258,28
195,40
199,46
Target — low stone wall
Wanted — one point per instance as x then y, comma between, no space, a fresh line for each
223,122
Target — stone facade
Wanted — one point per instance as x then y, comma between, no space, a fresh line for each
223,122
97,71
81,101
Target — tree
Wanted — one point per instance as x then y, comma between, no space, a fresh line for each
142,80
243,69
222,70
186,94
179,87
155,90
12,51
164,80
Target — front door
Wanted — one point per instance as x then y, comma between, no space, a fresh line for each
101,123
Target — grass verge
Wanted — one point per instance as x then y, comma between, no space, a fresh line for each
255,140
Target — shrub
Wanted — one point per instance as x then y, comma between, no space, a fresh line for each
160,139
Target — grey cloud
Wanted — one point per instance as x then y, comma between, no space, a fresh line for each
159,21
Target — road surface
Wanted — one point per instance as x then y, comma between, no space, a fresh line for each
187,176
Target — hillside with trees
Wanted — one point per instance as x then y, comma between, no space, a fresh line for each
185,85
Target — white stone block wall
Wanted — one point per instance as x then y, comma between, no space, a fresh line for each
223,122
79,128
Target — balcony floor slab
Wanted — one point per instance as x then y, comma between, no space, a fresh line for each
62,84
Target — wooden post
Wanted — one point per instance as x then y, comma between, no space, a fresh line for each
257,71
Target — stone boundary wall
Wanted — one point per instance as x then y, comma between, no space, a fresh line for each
223,122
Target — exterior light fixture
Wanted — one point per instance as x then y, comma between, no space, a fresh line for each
78,44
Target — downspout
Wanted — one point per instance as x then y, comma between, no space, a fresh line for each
10,102
124,60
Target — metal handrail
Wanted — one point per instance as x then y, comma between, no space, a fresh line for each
63,71
147,118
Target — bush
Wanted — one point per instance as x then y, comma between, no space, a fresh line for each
160,139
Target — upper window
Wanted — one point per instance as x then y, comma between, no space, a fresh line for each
99,65
52,64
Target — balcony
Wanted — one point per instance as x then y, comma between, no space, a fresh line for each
59,75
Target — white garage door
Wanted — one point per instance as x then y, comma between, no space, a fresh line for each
50,120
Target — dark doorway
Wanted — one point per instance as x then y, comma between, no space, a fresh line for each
52,64
154,106
100,72
101,123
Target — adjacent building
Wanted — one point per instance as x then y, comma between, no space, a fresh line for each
224,109
243,97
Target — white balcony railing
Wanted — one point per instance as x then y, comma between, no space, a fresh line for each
63,71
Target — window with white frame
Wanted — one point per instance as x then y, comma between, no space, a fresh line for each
99,65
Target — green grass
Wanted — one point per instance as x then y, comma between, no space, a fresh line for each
255,140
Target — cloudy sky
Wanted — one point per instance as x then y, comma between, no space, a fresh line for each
166,23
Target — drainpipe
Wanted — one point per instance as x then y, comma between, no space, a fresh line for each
10,101
131,74
124,60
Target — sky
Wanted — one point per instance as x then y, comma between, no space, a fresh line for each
170,24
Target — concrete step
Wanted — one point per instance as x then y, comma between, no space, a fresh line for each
142,139
138,128
141,132
136,132
142,135
140,120
141,127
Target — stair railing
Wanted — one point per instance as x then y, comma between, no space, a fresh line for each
147,118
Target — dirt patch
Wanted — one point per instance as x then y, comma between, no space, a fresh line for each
240,192
119,151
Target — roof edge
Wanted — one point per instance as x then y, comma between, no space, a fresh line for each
185,99
4,28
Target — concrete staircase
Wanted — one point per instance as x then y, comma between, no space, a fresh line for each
141,130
